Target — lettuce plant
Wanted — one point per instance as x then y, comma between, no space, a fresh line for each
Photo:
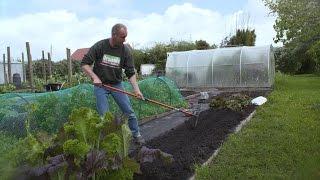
88,147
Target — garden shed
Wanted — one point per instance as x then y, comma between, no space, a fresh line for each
244,66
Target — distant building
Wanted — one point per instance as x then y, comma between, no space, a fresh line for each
79,54
15,68
147,69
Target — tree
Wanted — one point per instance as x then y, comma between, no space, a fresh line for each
243,37
298,28
284,61
224,41
140,57
158,54
58,68
181,46
201,44
297,19
213,46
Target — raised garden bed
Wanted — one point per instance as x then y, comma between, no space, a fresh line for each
194,146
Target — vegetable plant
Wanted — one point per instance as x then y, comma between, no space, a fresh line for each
235,102
86,147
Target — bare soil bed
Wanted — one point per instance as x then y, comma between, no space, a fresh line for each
185,93
193,146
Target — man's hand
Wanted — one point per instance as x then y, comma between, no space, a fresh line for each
95,79
139,94
135,87
97,82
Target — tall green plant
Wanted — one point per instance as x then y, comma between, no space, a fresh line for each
285,61
298,28
87,147
7,88
202,44
88,134
243,37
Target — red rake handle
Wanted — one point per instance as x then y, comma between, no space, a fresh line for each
170,107
145,99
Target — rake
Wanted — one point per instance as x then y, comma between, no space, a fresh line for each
147,99
191,123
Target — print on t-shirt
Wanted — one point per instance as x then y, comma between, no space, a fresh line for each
111,61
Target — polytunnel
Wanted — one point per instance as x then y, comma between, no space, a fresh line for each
246,66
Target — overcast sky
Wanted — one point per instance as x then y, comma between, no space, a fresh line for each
80,23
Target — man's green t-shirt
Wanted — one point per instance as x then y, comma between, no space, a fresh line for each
108,61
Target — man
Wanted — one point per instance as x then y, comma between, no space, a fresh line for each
109,57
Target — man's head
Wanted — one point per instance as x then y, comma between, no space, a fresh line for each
118,34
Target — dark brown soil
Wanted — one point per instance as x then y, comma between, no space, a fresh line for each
193,146
187,93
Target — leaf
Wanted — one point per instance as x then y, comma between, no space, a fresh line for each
112,144
95,161
126,139
82,125
76,148
149,155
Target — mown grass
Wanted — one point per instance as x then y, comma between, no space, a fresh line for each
282,141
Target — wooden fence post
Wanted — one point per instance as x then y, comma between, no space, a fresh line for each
49,66
4,69
69,65
9,65
44,73
23,68
30,66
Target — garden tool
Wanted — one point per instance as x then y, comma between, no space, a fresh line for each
193,121
146,99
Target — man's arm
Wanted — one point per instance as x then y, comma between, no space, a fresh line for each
88,70
89,59
136,89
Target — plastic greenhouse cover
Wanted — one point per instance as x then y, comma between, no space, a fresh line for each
222,67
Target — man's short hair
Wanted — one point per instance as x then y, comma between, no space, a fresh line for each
116,28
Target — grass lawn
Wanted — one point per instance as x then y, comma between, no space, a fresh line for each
282,141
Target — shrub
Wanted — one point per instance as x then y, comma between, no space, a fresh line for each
6,88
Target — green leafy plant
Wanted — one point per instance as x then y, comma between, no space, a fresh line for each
7,88
87,147
25,153
235,102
